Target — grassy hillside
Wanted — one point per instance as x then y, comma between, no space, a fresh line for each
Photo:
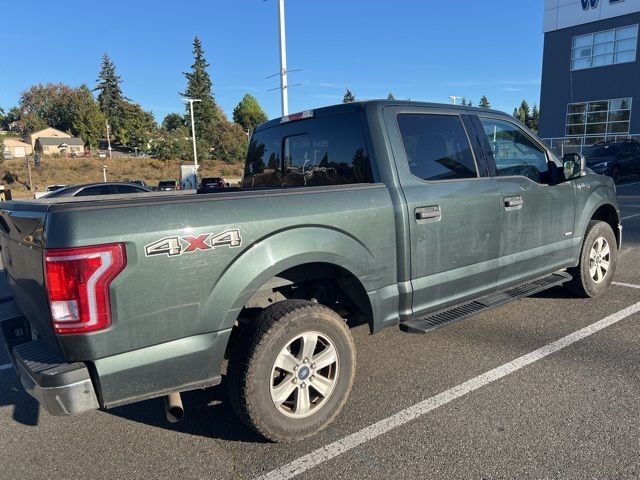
67,171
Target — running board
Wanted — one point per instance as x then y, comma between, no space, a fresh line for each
459,312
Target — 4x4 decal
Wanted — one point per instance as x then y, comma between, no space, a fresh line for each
172,246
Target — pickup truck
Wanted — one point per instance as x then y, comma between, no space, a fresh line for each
379,213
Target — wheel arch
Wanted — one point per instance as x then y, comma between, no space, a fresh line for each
608,213
285,256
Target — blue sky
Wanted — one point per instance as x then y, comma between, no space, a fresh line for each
423,50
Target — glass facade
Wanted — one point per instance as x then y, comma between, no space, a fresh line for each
608,47
592,122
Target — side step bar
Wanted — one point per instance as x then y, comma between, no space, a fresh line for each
459,312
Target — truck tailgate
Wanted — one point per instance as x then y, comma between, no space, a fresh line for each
22,243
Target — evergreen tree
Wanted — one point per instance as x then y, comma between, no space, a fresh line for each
348,97
535,118
484,102
110,97
199,86
248,113
88,120
523,113
391,96
515,114
467,103
173,121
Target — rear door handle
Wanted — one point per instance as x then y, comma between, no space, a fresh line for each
513,202
428,214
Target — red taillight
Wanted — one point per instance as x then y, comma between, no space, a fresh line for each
78,282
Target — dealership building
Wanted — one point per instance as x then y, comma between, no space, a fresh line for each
590,73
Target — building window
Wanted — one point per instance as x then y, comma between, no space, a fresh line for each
604,48
592,122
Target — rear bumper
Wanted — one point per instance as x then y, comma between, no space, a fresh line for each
61,388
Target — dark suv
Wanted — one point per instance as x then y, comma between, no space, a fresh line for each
615,159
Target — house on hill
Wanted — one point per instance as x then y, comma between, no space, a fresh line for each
63,146
48,132
14,148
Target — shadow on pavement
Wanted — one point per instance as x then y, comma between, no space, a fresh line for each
25,409
206,413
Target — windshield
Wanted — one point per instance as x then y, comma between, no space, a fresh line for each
601,151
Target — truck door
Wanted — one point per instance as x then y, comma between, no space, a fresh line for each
536,206
453,210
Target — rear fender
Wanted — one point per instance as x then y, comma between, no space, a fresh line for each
272,255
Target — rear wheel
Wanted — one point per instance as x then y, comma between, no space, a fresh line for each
292,370
598,259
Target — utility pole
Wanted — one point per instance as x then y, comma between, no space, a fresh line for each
108,139
193,129
284,94
29,170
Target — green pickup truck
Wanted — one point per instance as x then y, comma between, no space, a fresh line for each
383,213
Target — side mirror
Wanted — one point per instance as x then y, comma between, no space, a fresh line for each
573,165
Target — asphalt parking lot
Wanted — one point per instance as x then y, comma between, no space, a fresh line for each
555,404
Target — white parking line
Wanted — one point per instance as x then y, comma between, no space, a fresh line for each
620,284
350,442
627,184
631,216
6,367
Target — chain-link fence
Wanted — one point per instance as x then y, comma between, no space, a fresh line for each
562,145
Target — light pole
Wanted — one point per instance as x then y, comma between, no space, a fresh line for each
108,139
284,95
193,129
454,98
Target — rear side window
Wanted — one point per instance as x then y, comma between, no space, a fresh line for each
129,189
97,190
313,152
437,147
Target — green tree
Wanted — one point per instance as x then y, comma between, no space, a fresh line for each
168,145
467,103
137,128
173,121
523,113
10,119
391,96
88,120
484,102
230,142
535,118
110,97
248,113
199,86
348,97
50,104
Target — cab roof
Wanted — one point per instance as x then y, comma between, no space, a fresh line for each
359,106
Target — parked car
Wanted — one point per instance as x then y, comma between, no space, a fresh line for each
614,158
102,155
211,184
140,183
90,189
387,213
48,190
167,186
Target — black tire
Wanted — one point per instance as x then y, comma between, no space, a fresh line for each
250,374
583,283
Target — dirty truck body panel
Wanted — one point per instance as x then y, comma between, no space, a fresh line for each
402,244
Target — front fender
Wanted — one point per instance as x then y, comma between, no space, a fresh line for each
283,250
588,201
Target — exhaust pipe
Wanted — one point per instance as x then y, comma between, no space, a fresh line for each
173,407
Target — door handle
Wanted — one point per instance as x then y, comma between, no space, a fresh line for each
513,202
428,214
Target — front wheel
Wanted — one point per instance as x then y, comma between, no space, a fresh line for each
598,260
292,370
